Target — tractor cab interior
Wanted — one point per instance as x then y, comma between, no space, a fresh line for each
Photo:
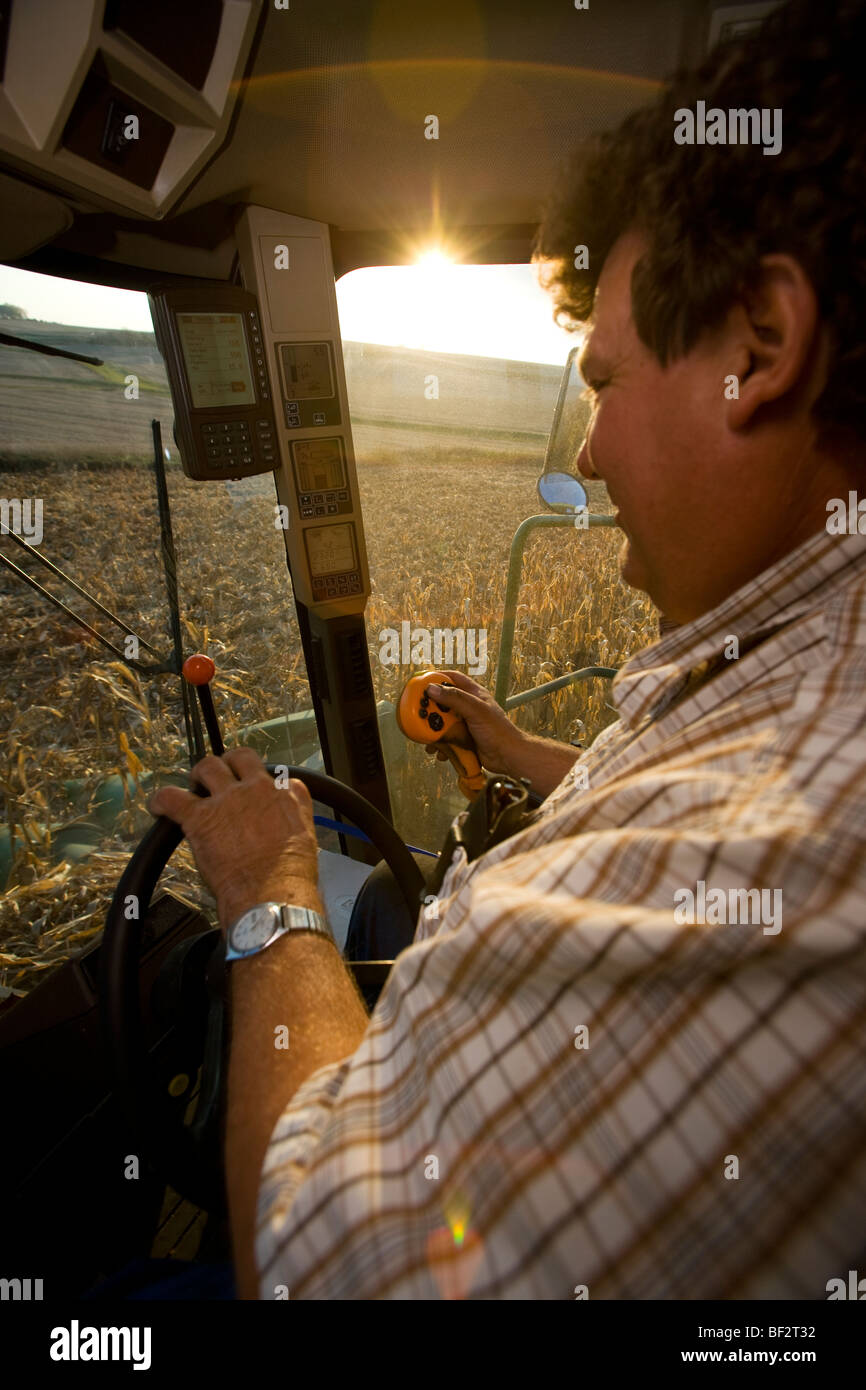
285,393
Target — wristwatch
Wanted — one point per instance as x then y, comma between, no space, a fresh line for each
263,924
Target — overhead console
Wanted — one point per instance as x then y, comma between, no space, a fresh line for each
120,101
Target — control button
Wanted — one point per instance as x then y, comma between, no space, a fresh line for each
319,417
435,721
306,499
214,453
306,511
317,497
343,496
224,429
293,424
320,511
332,507
208,429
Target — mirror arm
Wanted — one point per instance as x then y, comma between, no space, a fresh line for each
512,589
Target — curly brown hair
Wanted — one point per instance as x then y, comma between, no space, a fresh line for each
709,212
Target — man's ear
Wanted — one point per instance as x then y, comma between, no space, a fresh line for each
776,326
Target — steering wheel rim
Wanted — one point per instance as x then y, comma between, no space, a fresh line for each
184,1155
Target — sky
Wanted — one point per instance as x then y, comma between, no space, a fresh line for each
490,311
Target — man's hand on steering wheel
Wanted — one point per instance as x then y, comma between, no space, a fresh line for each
252,842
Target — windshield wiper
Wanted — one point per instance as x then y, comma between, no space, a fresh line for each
7,340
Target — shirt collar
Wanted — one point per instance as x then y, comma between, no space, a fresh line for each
794,585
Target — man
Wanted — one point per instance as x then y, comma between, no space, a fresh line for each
626,1054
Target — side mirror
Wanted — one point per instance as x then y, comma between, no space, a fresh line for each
561,492
557,487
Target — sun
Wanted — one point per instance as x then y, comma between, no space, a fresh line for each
434,259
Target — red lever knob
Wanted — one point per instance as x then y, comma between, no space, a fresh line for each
198,669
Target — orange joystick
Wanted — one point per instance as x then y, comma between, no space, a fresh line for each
421,719
199,670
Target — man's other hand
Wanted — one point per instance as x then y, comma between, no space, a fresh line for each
252,842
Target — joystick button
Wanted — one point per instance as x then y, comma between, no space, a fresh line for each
436,721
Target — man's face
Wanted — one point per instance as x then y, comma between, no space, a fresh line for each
702,509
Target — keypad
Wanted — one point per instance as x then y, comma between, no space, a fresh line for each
331,586
324,503
234,444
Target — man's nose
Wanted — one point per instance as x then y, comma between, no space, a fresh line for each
584,462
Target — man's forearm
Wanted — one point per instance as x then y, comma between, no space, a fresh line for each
544,761
299,991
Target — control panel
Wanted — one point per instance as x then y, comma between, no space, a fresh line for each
210,337
286,265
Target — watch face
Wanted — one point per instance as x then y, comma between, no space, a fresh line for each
253,930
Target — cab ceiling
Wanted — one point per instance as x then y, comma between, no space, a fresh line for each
331,125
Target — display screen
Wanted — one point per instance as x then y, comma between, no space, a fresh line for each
216,358
307,374
331,549
319,464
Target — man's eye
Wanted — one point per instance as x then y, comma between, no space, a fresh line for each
592,390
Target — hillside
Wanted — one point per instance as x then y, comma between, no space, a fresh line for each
55,408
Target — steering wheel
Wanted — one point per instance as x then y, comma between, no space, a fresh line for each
187,1156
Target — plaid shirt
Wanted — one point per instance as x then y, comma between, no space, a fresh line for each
567,1090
